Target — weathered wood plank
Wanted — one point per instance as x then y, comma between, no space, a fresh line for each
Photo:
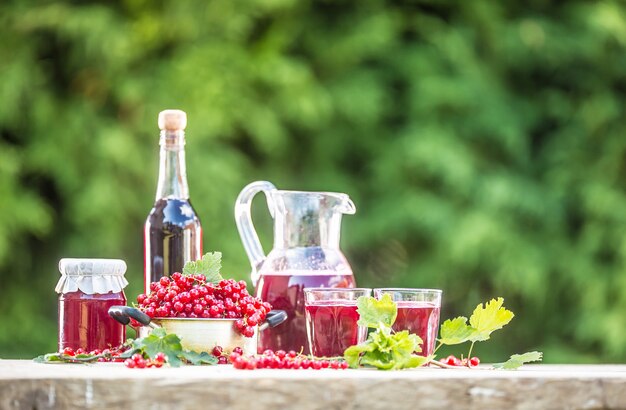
24,384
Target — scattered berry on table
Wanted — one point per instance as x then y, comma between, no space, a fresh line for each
281,360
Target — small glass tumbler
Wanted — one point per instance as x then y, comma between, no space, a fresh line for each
418,312
331,319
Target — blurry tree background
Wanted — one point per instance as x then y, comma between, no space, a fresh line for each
483,142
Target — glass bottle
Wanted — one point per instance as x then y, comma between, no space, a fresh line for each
87,289
172,233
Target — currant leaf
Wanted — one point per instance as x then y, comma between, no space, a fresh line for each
209,266
487,319
159,341
517,360
455,331
386,350
373,312
198,358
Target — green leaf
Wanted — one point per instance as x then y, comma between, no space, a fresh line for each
455,331
353,353
386,350
373,312
198,358
48,358
209,266
416,361
158,341
517,360
379,360
491,317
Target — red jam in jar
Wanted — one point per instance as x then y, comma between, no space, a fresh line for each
87,288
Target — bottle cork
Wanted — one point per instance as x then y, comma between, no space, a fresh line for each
172,120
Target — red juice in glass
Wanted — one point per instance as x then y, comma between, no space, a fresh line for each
332,327
421,318
285,291
418,312
84,321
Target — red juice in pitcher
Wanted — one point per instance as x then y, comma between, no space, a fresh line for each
421,318
332,327
285,291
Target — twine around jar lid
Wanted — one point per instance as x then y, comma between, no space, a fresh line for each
91,275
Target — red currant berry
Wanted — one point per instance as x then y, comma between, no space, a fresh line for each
239,362
164,281
238,350
184,297
452,361
474,361
129,363
222,360
68,351
280,354
248,331
253,320
217,351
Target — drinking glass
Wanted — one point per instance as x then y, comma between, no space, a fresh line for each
418,312
331,319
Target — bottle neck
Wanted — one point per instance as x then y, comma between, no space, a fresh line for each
172,170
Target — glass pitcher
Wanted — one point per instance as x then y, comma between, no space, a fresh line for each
306,253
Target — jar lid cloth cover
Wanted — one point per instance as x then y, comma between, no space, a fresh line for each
91,276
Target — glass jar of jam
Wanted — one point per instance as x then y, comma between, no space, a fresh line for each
87,288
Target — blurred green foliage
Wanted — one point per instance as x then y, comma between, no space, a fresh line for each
483,142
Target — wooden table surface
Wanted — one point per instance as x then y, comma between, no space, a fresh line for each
25,384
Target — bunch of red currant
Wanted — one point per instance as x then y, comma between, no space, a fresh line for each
137,361
455,361
283,360
106,355
191,296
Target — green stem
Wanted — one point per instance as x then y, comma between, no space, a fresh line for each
469,354
437,348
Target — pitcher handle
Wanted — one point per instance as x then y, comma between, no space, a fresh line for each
243,219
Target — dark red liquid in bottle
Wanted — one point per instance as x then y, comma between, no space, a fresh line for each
332,327
173,236
421,318
84,321
286,292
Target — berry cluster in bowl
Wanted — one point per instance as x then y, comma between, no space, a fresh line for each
192,296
